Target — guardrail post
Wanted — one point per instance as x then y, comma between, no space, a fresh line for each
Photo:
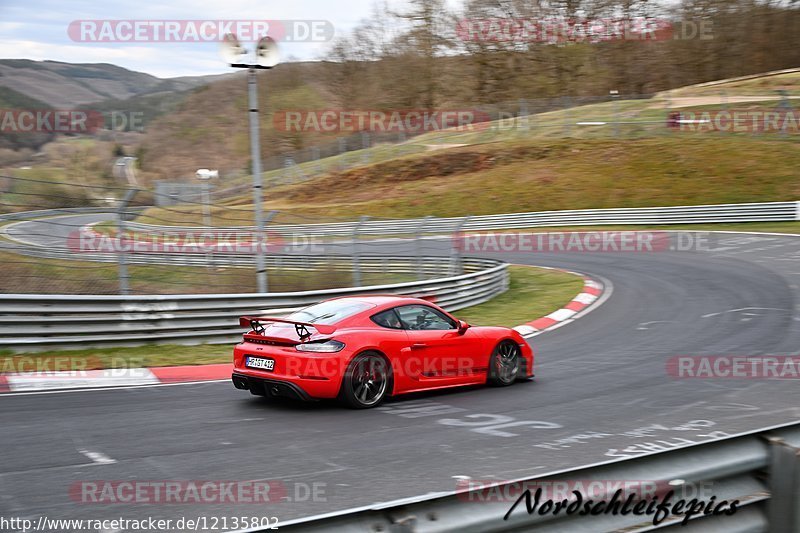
262,279
365,144
784,480
786,106
124,276
456,267
315,156
667,115
356,259
524,116
418,246
342,151
206,200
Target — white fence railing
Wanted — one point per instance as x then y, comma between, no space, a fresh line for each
692,214
39,321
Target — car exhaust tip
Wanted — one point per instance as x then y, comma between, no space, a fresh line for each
240,383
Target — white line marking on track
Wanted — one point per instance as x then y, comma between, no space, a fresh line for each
97,457
745,309
643,326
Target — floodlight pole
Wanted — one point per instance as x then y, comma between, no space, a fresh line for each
266,58
255,155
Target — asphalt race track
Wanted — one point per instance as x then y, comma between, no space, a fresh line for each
51,231
601,393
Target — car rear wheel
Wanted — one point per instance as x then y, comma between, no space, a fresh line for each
366,382
504,364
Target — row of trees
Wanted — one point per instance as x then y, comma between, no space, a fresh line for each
420,56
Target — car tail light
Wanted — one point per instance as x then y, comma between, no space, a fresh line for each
330,346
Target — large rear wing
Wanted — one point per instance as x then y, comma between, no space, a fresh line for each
257,323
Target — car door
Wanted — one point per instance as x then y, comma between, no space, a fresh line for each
442,354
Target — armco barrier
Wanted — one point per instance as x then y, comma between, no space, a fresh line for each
42,213
760,469
693,214
39,321
413,228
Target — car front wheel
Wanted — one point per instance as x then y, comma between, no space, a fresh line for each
504,364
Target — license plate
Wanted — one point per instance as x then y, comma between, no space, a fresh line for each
260,363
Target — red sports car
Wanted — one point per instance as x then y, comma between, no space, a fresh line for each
363,348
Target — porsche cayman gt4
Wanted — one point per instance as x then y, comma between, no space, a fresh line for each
362,349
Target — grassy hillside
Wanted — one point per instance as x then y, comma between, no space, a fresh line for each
516,176
66,85
638,119
24,142
98,87
789,82
546,161
210,128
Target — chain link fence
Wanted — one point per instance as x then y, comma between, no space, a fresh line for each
103,251
705,109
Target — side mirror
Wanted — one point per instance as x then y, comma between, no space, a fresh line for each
462,327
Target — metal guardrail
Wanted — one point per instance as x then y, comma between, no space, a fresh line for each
760,469
37,321
42,213
694,214
412,228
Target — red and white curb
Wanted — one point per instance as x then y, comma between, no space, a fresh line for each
119,377
594,293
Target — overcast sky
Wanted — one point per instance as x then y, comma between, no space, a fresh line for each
39,29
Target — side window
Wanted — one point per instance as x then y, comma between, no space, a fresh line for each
387,319
422,317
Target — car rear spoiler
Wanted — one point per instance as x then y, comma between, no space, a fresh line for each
257,323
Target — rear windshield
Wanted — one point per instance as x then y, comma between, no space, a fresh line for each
331,312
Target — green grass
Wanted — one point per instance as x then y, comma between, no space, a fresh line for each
533,292
519,176
756,86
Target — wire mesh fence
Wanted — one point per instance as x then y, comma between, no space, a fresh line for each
706,110
105,251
